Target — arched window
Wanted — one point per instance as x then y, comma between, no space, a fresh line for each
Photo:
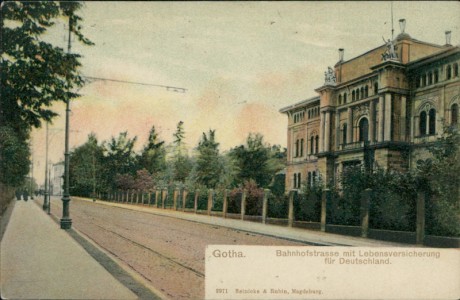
297,148
455,70
362,93
432,125
301,147
340,99
344,98
353,96
344,134
430,78
449,72
366,91
310,182
417,82
295,180
422,124
376,88
299,180
312,144
423,80
357,94
436,76
454,114
316,144
363,130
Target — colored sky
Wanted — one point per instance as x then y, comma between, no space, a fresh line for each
239,61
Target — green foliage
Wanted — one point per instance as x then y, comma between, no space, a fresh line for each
392,199
153,156
119,157
14,158
36,73
307,204
181,164
278,206
439,177
208,165
86,167
257,160
254,198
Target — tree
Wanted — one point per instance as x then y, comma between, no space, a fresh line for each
143,180
35,73
208,165
86,167
181,163
14,162
119,157
38,72
153,156
439,177
257,160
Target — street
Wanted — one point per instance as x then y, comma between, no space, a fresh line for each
168,252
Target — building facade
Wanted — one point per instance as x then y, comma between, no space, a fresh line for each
381,108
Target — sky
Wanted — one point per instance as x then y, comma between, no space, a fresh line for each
240,63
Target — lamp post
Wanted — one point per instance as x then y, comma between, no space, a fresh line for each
66,221
46,200
49,195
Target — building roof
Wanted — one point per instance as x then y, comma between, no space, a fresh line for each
446,51
299,104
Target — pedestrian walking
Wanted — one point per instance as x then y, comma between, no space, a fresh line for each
25,194
18,195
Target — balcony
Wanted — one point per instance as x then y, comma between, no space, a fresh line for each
425,139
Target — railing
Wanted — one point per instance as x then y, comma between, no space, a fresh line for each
291,216
425,138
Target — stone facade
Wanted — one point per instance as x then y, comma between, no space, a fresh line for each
384,107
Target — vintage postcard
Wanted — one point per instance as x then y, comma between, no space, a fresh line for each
230,150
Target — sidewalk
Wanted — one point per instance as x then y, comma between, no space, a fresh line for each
291,233
41,261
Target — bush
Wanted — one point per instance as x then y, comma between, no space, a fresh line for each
254,198
278,206
234,201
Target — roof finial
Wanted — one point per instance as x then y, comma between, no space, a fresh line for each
392,28
448,35
402,25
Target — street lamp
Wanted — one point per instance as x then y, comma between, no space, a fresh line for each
66,221
46,200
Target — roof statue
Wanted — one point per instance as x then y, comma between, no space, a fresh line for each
390,53
329,76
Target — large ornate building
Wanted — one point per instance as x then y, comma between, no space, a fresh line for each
380,108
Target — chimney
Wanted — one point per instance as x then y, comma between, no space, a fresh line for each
402,25
448,35
341,51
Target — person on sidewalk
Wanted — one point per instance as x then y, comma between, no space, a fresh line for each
25,195
18,195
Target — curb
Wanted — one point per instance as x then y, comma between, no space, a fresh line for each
126,276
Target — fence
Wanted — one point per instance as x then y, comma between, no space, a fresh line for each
313,211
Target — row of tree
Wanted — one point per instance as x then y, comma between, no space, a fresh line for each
35,74
110,165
